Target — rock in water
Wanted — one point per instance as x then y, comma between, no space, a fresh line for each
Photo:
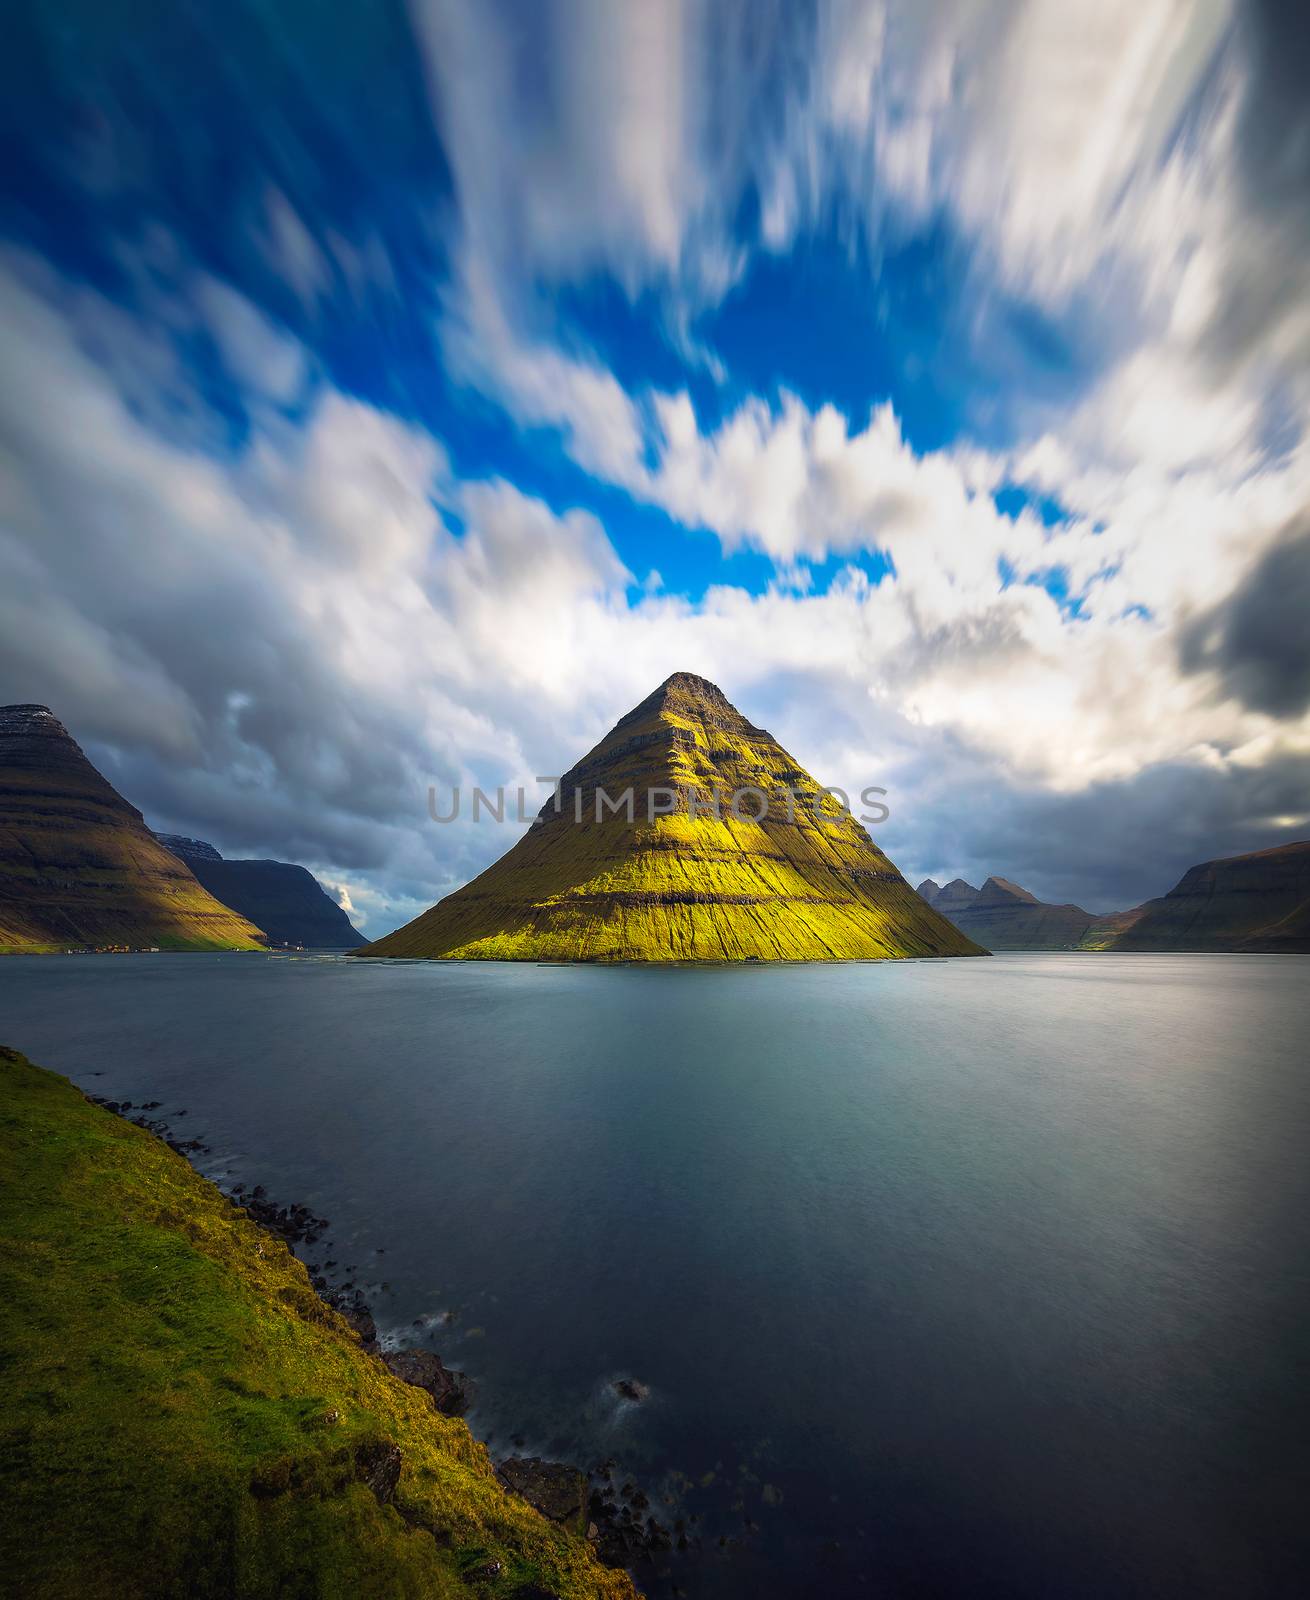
449,1390
809,886
557,1491
79,867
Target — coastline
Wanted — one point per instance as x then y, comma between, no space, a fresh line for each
180,1397
599,1504
599,1501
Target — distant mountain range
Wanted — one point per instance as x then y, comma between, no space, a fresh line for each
286,901
1256,902
760,886
78,866
1002,916
80,869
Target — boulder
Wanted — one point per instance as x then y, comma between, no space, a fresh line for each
377,1466
450,1391
557,1491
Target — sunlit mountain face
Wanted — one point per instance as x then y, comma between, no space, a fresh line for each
391,395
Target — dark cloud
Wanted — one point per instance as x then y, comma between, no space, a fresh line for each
1258,640
1268,277
1110,846
1275,127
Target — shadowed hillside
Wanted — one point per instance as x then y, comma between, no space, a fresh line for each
79,867
1258,902
285,900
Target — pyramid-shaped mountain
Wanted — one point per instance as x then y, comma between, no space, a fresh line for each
79,867
677,883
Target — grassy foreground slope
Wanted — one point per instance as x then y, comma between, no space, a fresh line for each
804,882
78,866
181,1415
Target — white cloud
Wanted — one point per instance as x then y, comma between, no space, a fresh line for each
285,646
1071,148
537,382
570,129
258,355
282,648
625,139
291,250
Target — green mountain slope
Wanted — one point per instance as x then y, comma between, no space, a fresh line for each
181,1415
78,866
684,887
1003,916
1106,931
283,899
1257,902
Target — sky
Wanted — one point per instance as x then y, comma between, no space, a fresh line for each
393,395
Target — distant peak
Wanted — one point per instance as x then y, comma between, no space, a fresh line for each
689,683
1002,888
30,719
685,695
956,893
188,849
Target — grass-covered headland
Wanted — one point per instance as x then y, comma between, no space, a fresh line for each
181,1415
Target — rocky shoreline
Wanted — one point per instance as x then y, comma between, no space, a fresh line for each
604,1503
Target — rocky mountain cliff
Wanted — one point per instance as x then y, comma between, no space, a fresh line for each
189,849
1257,902
285,900
687,885
1003,916
78,866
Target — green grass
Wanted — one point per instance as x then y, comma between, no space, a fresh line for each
181,1415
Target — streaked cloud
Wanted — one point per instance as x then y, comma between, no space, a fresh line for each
345,452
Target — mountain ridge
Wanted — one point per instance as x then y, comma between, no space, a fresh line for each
1255,903
1004,916
286,900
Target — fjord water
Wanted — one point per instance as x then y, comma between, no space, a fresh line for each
980,1278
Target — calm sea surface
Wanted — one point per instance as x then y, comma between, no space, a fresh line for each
982,1278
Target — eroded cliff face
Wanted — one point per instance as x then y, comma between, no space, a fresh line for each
79,867
803,882
1257,902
